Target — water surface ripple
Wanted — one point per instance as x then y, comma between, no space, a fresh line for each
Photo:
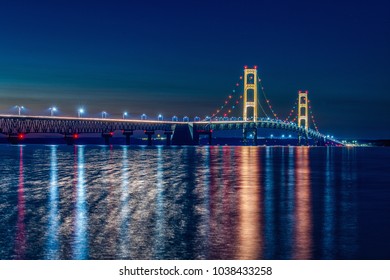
120,202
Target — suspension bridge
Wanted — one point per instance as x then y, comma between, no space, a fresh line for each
245,95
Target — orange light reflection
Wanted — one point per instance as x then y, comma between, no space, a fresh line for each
249,237
303,224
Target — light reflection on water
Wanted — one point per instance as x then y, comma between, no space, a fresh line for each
303,219
80,244
52,246
249,241
98,202
20,239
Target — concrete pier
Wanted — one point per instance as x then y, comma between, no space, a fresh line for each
149,133
107,136
128,134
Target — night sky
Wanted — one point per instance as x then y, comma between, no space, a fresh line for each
185,57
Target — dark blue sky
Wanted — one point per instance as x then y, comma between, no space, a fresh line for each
185,57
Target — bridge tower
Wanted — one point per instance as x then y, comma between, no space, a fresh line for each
303,113
250,92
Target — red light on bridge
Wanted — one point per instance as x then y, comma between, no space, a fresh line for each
21,136
111,133
255,66
211,130
75,136
245,67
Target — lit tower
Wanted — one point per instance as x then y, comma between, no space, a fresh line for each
303,119
250,92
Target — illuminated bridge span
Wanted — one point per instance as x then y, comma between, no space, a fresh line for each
181,132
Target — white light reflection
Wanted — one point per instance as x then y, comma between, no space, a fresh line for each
160,213
52,246
20,239
80,250
203,231
124,239
329,207
269,219
290,201
285,218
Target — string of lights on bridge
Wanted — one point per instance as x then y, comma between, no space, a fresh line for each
231,103
293,110
226,105
233,100
81,112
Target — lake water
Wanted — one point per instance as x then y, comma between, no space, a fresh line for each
118,202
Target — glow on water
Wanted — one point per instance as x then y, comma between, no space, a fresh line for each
120,202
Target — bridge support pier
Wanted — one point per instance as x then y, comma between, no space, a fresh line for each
245,135
70,139
197,133
149,133
303,140
169,136
183,135
320,142
15,139
107,136
128,134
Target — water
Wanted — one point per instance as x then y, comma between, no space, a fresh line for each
96,202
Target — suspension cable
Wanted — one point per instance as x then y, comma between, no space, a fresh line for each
227,101
267,100
312,117
292,110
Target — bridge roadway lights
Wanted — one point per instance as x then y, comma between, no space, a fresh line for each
149,133
169,136
107,136
127,133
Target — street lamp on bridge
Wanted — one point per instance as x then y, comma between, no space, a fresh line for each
160,117
80,112
52,110
124,115
20,108
104,114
